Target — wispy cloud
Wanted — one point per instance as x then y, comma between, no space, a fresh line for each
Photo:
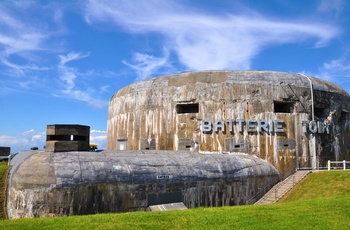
71,56
27,139
145,65
20,32
34,138
203,41
335,70
69,76
29,47
331,5
23,37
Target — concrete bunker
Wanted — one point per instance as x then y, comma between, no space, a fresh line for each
4,151
166,142
65,137
75,183
290,120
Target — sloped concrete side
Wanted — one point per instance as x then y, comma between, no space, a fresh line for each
67,183
32,178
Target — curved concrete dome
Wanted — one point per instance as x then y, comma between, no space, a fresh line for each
67,183
290,120
232,76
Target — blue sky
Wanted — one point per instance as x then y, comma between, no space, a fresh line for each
61,61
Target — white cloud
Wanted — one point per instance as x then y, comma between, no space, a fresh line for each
71,56
97,103
144,65
338,65
105,88
30,41
33,138
25,37
99,137
335,70
69,75
24,141
330,5
203,41
21,32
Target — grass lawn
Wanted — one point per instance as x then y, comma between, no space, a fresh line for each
320,185
321,201
3,173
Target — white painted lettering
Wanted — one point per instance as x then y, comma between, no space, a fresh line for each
230,122
251,125
219,124
240,125
206,126
279,126
262,125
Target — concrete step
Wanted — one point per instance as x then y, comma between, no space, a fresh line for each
282,188
166,207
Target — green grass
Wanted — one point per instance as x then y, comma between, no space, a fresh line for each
322,184
3,174
322,201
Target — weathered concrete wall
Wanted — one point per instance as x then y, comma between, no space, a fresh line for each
169,111
73,183
65,137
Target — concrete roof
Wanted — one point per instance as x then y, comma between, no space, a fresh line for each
234,76
64,169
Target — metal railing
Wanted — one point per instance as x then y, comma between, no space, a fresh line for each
306,165
6,157
269,185
283,175
288,171
343,163
294,182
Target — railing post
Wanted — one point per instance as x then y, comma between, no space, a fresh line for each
276,194
344,164
329,165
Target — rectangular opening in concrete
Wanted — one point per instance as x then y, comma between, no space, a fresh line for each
344,115
79,138
187,108
148,144
283,107
283,144
58,137
164,198
184,144
122,144
240,145
320,112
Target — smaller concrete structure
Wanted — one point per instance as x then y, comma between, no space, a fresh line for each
77,183
63,138
5,151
